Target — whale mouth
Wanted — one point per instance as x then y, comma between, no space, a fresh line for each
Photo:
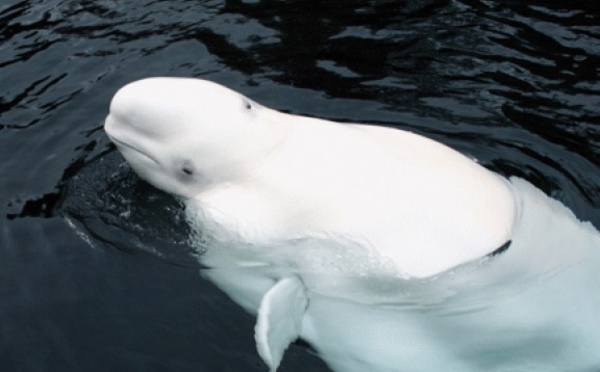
124,146
109,129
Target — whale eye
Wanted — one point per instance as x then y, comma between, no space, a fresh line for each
248,105
187,168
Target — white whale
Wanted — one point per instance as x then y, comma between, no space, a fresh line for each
374,245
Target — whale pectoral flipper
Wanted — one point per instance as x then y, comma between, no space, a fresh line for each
279,319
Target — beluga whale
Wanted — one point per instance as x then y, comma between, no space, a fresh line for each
382,249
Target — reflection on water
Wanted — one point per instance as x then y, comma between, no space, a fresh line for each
513,84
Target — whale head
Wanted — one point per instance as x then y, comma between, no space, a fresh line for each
186,135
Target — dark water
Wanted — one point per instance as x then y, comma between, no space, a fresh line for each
95,273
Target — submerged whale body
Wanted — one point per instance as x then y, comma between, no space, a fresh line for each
384,250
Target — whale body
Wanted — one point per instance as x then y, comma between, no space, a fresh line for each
384,250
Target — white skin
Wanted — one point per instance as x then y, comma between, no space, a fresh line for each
265,180
266,176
